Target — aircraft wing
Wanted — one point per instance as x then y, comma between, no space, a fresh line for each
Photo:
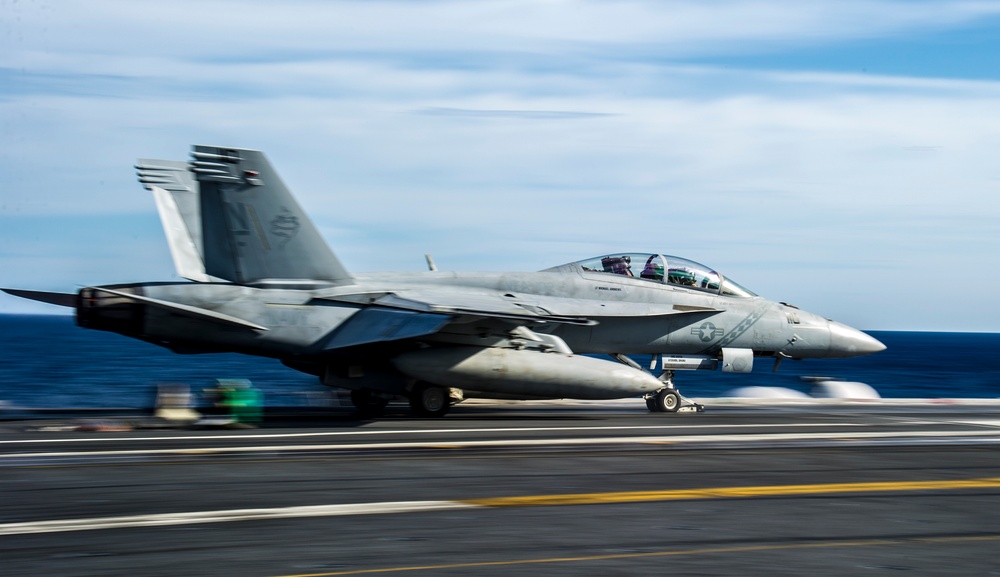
536,310
533,308
392,316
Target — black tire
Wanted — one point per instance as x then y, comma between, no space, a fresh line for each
668,401
369,402
651,404
428,400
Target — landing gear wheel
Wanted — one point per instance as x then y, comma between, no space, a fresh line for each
667,401
651,404
428,400
368,402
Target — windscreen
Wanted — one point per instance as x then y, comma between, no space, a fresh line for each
665,269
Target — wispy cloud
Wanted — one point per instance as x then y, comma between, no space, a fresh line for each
515,114
262,30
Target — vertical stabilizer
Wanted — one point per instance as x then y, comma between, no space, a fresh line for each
252,228
176,193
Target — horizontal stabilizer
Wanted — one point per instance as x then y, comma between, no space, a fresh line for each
61,299
188,311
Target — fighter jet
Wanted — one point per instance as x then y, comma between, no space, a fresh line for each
263,282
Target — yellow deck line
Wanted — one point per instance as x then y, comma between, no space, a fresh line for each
732,492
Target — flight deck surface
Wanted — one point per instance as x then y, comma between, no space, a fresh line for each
528,488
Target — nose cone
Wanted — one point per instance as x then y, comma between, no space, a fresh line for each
848,342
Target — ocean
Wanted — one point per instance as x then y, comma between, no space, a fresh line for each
49,362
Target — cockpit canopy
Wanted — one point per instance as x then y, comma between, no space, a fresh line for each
665,269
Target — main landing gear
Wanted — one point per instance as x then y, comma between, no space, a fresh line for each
427,400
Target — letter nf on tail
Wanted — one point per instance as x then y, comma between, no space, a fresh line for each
262,281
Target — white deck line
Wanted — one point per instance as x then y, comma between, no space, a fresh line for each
225,516
456,444
670,426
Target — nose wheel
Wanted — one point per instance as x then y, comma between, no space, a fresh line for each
668,400
664,401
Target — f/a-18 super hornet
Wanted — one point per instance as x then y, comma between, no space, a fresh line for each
265,283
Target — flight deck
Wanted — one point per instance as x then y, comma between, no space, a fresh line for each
545,488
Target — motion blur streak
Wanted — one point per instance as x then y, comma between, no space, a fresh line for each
196,517
705,551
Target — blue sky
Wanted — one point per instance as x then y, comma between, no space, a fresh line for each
842,156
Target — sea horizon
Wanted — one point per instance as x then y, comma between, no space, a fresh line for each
48,361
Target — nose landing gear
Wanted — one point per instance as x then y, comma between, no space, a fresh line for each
669,399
